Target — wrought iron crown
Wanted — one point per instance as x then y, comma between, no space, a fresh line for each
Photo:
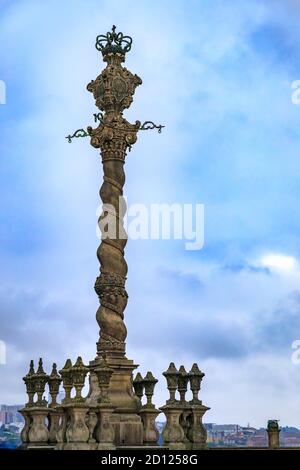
113,43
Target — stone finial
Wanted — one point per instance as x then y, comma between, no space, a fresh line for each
104,373
40,369
195,376
31,371
171,370
40,379
171,375
54,382
149,383
54,373
31,368
273,425
138,385
66,367
67,379
183,380
30,385
78,373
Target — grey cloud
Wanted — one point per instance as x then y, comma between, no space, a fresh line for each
236,268
207,341
176,321
31,327
279,328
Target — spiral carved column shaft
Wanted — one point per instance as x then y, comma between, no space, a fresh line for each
113,90
110,284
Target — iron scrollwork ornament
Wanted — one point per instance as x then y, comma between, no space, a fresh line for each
150,125
147,125
78,133
98,117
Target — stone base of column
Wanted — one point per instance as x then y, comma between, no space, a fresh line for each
126,422
128,429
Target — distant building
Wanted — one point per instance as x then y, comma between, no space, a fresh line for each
289,437
9,414
290,441
258,441
234,435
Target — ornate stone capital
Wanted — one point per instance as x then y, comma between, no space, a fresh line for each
114,136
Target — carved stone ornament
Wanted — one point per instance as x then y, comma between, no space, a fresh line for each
172,375
183,380
149,383
54,382
78,373
114,88
29,383
138,385
67,379
40,380
195,376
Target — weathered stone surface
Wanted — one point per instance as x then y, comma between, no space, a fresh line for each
273,431
77,432
54,417
25,431
105,433
196,432
38,433
128,429
173,433
150,432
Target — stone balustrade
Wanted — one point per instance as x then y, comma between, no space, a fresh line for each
81,423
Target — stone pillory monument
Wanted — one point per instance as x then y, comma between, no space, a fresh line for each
118,410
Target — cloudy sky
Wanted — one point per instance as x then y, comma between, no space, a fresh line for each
218,75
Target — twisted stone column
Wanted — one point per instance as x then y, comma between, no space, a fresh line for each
113,137
113,91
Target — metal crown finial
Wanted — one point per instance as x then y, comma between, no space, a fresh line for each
113,43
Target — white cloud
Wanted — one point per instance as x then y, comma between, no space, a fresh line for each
279,262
